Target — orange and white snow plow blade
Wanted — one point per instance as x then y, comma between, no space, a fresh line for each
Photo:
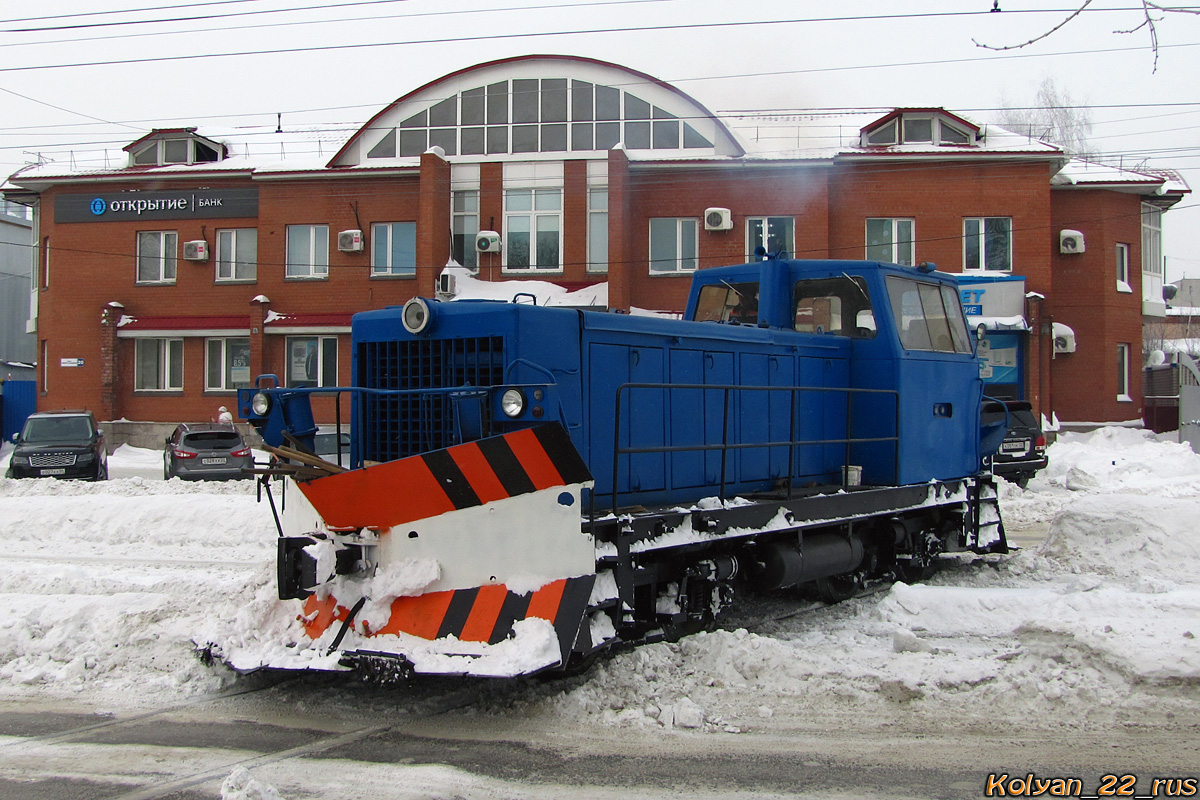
471,560
489,631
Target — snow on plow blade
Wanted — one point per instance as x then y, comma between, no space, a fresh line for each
466,560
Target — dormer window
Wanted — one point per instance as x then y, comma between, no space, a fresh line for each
176,147
928,127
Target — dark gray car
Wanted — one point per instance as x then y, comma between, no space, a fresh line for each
1023,452
206,451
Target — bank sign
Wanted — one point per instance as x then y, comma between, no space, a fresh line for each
134,206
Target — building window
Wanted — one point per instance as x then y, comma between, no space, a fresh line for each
1152,259
1151,239
394,249
987,244
1123,374
176,151
312,361
464,224
307,251
158,365
772,234
156,252
1123,269
537,115
227,364
45,264
597,241
919,129
890,240
674,244
532,225
237,254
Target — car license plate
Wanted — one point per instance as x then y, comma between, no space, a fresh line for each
1015,447
52,472
208,462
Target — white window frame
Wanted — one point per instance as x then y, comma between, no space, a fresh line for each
157,152
323,348
168,368
597,229
1123,284
221,347
167,258
1152,260
228,241
383,240
686,236
981,243
897,242
44,265
1151,239
316,265
1123,395
894,132
753,241
464,223
546,208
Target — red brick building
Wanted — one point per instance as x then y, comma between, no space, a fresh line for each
164,284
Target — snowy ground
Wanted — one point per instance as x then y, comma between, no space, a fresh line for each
105,585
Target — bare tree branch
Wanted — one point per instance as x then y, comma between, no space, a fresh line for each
1148,22
1050,32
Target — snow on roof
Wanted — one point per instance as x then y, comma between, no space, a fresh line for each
766,138
545,293
1092,174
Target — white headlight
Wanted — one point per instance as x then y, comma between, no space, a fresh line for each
512,402
260,404
415,316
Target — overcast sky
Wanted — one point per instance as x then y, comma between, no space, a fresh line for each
77,76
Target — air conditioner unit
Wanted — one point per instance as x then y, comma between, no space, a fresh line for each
350,241
195,251
446,285
1064,338
1070,242
488,242
718,219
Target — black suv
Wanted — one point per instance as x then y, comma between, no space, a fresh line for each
59,444
1023,451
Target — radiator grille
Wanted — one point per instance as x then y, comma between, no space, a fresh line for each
404,425
52,460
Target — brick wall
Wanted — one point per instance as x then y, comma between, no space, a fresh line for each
1087,299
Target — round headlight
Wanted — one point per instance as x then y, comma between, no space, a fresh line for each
512,402
260,404
415,315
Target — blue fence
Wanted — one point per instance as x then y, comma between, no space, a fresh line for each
18,399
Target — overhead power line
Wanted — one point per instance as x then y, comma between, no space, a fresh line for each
588,32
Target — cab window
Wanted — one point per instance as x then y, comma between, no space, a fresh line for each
929,316
840,306
728,302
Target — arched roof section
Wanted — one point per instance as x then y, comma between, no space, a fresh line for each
534,107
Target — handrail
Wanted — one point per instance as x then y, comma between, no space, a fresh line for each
724,446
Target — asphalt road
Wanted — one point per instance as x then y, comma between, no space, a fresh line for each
333,739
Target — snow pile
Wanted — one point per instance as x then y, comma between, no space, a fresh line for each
106,586
1097,626
240,786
